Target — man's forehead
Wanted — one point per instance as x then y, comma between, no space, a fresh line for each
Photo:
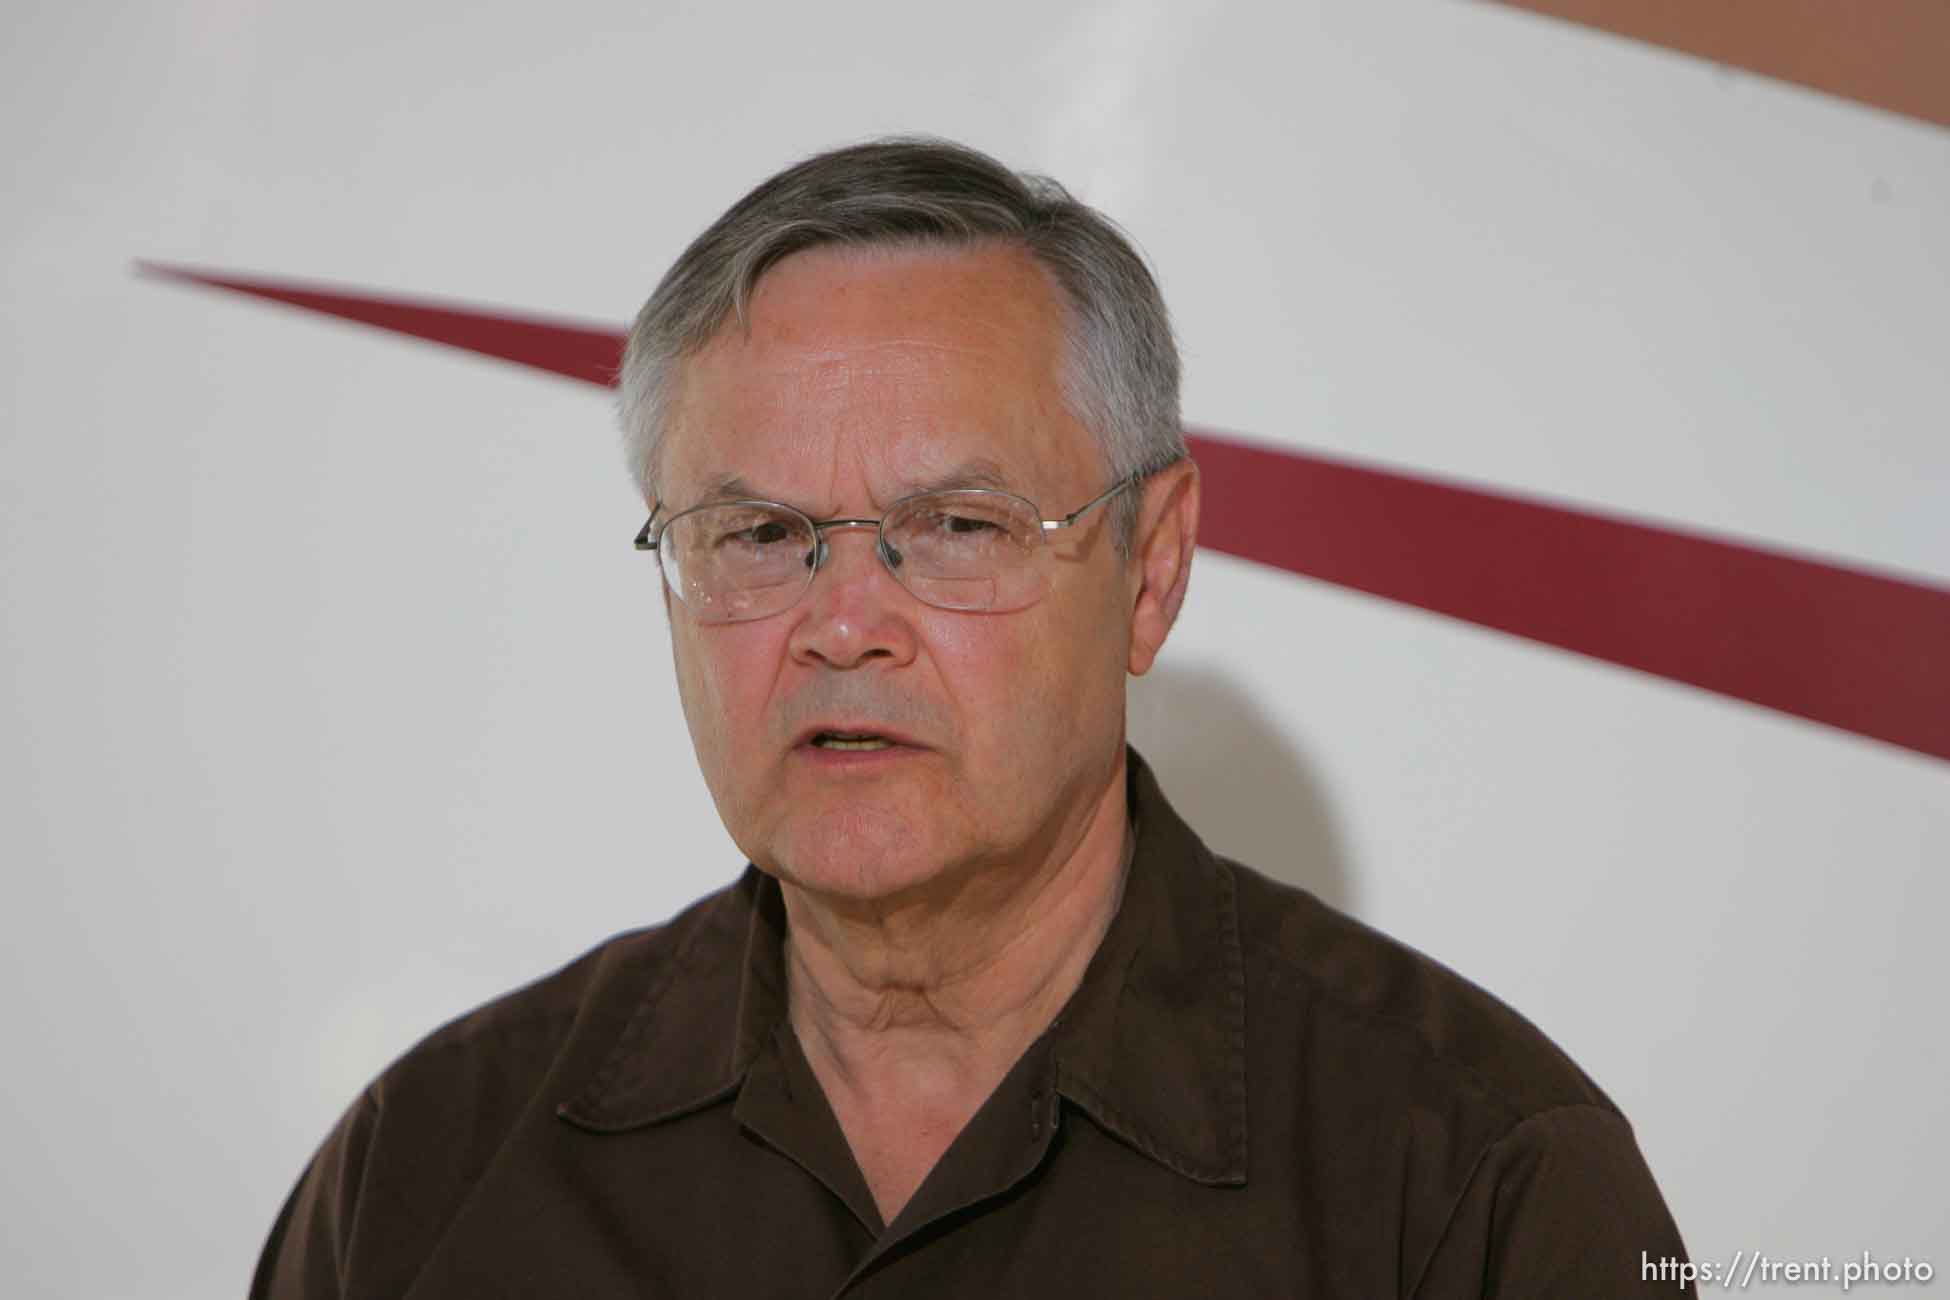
838,287
887,313
912,372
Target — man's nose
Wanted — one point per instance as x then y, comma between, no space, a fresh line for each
855,612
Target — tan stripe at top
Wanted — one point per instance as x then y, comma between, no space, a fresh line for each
1893,54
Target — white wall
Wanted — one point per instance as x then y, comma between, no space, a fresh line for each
333,699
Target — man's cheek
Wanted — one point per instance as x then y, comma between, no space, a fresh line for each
738,678
702,681
984,659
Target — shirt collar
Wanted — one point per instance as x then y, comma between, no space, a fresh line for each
1151,1045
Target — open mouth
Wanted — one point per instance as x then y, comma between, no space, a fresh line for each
842,740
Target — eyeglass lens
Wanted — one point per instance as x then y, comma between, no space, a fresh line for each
965,550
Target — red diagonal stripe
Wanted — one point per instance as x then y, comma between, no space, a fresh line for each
586,352
1859,651
1855,650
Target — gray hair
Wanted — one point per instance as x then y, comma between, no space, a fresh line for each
1120,374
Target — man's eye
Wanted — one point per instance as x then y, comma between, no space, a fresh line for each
965,524
765,534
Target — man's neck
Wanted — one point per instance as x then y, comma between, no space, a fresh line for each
922,1009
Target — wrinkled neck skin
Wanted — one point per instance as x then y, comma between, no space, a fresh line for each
923,1003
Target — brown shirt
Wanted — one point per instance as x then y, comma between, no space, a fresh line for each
1249,1095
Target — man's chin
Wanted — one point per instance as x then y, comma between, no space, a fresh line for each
861,860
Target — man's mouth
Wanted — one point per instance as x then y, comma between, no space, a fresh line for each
850,741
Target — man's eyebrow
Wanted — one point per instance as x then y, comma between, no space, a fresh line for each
975,472
730,487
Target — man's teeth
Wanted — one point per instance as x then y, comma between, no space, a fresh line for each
827,740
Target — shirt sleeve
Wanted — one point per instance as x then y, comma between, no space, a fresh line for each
1563,1205
306,1255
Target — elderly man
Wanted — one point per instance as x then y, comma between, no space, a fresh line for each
983,1016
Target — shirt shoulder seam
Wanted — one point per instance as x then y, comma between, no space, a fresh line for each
1270,957
1482,1158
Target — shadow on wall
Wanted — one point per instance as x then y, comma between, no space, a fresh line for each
1241,784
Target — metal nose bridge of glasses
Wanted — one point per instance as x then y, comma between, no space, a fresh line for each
888,555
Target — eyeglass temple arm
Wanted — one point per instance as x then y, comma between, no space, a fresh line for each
643,541
1051,525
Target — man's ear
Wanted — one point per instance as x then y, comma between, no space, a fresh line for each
1161,558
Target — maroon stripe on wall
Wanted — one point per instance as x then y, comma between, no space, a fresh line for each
1859,651
585,352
